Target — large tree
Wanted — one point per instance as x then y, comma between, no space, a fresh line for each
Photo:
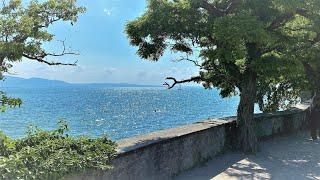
24,31
241,44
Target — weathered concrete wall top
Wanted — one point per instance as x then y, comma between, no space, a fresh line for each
164,154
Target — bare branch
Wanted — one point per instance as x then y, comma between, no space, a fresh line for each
64,51
175,81
41,57
41,60
195,62
212,69
211,8
217,11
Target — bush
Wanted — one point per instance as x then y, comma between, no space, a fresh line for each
52,154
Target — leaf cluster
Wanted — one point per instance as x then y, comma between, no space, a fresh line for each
6,101
52,154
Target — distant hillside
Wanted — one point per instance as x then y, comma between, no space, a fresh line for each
11,81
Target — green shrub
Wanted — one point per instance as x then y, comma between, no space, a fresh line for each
52,154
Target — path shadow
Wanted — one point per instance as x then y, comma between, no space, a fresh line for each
293,157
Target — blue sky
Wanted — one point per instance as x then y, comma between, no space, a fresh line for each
105,53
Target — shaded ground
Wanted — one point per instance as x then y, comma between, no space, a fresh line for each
293,157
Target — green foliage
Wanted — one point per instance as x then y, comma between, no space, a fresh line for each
7,101
234,37
24,30
306,51
243,46
52,154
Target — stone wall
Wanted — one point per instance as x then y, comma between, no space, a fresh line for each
164,154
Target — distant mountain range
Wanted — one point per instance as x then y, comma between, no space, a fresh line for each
11,81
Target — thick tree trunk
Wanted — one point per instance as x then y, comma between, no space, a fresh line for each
1,67
247,138
313,75
314,115
248,91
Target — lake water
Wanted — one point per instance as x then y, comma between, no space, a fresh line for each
118,112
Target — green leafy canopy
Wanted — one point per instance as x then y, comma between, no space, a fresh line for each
234,37
24,30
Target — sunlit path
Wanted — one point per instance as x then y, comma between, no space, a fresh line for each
293,157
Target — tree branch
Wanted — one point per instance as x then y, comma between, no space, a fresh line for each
195,62
309,72
211,8
280,21
217,11
316,39
41,60
284,18
64,51
214,70
175,81
232,6
1,61
41,57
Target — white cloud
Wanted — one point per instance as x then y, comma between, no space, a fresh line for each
108,12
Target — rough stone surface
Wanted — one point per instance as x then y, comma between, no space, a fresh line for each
164,154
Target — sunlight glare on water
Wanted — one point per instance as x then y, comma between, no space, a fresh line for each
118,112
